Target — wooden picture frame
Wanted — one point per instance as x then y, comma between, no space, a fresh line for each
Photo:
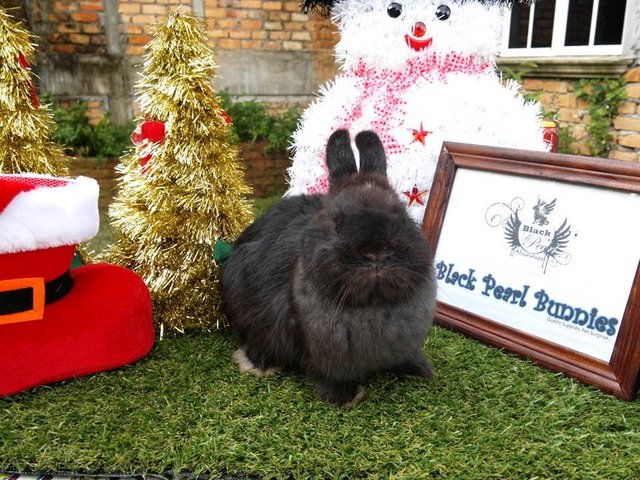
539,254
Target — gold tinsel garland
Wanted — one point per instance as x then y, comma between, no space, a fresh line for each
169,214
25,125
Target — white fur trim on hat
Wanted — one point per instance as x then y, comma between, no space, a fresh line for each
47,217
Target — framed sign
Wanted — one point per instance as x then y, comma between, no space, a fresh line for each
538,253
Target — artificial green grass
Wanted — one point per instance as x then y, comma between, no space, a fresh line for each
185,408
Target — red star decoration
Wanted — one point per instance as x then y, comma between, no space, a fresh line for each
415,195
420,135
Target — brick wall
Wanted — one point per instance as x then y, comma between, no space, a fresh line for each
265,172
137,15
559,96
92,49
627,125
268,25
70,27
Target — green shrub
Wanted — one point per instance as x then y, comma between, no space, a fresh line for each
252,121
80,137
604,97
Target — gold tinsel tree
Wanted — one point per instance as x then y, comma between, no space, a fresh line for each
25,125
182,188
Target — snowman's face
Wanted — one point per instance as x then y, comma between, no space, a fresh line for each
387,33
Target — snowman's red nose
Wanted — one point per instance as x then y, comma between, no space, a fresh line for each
419,29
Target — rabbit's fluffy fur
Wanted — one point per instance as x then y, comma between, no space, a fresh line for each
338,286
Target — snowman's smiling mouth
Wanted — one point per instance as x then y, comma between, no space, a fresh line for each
418,43
418,39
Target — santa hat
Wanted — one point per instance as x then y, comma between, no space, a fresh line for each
61,323
324,7
39,211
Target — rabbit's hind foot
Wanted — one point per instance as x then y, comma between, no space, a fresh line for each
247,366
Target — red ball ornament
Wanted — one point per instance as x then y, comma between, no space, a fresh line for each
550,134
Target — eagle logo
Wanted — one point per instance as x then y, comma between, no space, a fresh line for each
535,238
541,210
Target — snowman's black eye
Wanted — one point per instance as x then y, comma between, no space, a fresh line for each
443,12
394,9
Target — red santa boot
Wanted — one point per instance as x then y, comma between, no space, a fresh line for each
57,323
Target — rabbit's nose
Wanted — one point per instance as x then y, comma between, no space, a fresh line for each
378,256
419,29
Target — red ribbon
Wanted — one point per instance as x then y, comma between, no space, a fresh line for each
226,117
35,101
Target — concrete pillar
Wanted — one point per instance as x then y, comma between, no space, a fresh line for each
198,7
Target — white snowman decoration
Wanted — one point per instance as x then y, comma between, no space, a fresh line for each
417,72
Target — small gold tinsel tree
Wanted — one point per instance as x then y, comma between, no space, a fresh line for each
184,189
25,125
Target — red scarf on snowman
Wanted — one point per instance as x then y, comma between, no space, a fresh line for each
386,86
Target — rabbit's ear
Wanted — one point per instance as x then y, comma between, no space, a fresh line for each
372,158
340,158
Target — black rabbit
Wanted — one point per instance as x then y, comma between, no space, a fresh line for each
339,286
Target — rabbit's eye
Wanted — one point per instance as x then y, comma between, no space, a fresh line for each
443,12
394,9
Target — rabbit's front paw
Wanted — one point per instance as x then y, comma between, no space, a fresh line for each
342,394
420,368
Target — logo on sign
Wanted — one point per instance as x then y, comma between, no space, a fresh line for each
533,232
